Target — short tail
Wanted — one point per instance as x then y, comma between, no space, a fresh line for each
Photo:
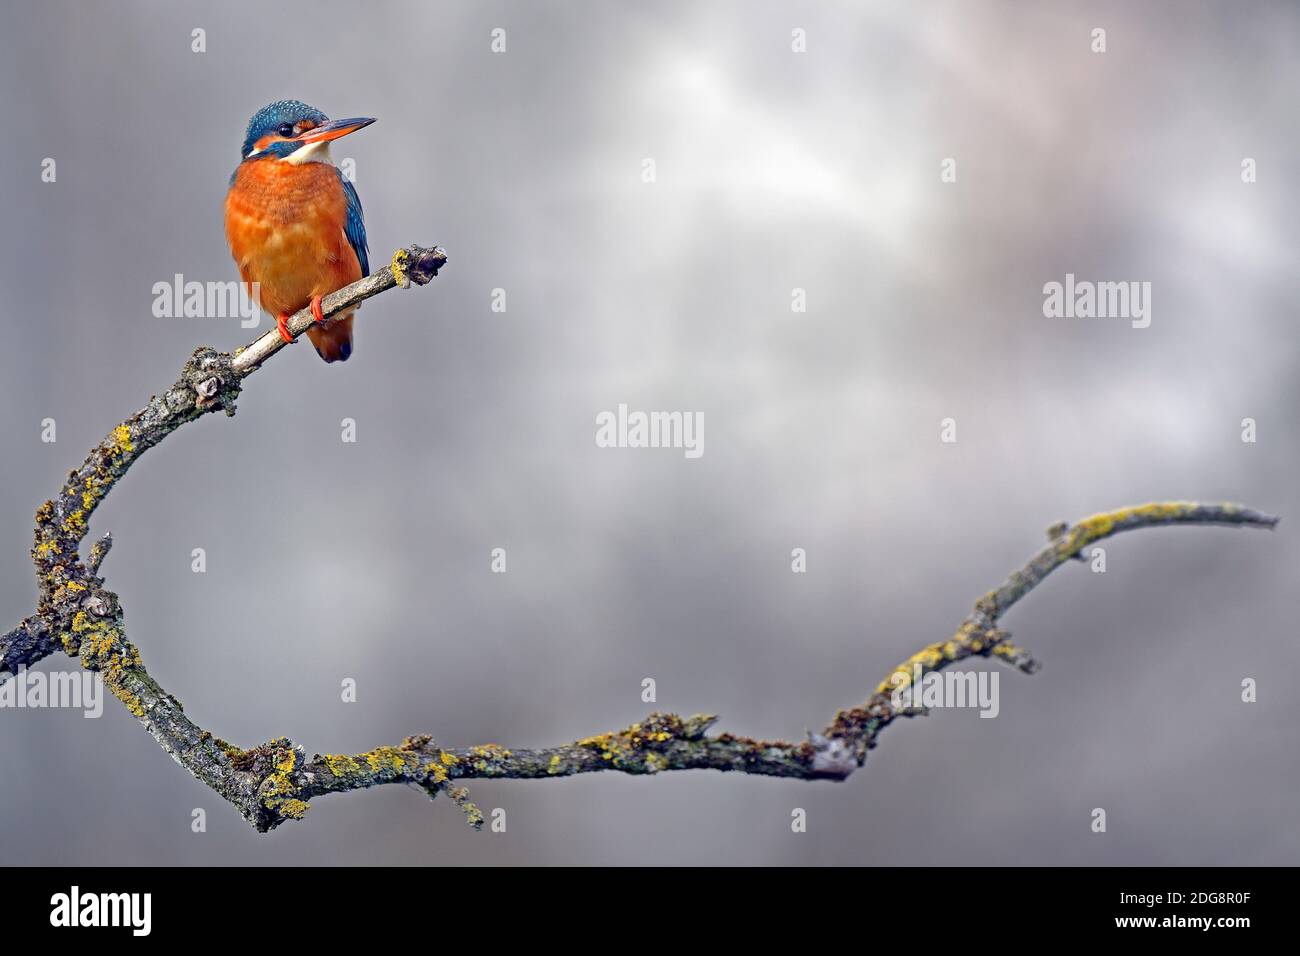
333,340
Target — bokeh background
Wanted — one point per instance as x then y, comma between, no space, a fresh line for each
475,429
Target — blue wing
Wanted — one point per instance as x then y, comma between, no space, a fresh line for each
356,225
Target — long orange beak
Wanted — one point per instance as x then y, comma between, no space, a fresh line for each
335,129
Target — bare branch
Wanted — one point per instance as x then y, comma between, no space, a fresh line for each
415,264
26,644
98,552
274,781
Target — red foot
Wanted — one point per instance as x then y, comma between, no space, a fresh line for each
282,323
315,308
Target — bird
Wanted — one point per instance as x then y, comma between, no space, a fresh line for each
294,222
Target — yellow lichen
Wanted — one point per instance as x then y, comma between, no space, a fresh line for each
1098,526
398,265
928,658
488,754
229,749
473,815
133,703
275,785
341,765
100,643
384,758
279,783
92,491
293,809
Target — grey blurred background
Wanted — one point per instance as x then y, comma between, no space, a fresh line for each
475,429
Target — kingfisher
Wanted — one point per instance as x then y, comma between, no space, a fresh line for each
294,222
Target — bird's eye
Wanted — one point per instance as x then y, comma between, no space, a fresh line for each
286,130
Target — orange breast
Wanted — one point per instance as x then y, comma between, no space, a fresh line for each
285,225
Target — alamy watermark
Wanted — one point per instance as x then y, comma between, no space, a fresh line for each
78,690
179,299
1102,300
946,689
632,429
130,910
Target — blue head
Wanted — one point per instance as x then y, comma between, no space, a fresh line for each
293,131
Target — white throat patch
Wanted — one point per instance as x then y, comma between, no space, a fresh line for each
311,153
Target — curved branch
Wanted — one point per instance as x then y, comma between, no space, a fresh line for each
210,381
665,742
274,781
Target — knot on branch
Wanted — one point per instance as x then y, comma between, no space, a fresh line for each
273,777
416,264
100,603
850,735
836,757
208,381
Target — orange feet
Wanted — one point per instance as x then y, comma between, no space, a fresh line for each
282,323
315,308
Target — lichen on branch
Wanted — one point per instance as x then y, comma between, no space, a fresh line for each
276,781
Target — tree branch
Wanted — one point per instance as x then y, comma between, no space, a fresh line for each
210,381
274,781
26,644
